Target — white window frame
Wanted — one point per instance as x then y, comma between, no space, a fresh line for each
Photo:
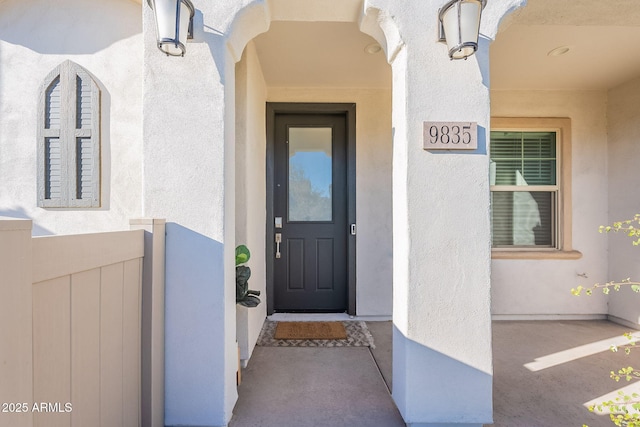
69,134
562,221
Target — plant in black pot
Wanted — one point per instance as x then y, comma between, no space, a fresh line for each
244,295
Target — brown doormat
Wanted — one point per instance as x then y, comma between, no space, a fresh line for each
310,331
358,335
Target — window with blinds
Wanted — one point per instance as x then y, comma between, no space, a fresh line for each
524,189
69,139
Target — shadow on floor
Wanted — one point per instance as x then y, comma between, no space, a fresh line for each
545,371
310,386
544,375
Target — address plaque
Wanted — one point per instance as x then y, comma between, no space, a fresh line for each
450,136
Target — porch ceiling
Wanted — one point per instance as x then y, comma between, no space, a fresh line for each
602,36
320,54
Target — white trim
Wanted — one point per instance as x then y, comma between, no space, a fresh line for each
527,188
563,219
555,189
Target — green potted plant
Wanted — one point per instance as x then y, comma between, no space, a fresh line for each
244,295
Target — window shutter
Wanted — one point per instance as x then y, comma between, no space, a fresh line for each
53,158
85,183
51,150
69,139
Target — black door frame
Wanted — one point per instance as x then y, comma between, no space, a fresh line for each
348,110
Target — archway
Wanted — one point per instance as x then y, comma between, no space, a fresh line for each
311,55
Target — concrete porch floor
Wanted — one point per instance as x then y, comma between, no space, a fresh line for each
545,372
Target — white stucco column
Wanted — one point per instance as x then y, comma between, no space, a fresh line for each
189,179
442,360
442,323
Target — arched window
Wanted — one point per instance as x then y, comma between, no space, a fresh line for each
69,139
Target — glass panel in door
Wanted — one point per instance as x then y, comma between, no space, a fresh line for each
310,174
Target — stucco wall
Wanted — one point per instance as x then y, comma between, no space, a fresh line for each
374,251
542,287
189,179
251,94
35,37
624,184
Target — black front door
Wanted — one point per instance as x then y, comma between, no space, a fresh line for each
310,213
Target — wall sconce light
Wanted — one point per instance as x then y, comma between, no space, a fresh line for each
174,24
459,24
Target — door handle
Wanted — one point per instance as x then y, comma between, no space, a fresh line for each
278,241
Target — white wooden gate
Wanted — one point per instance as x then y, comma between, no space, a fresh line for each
70,328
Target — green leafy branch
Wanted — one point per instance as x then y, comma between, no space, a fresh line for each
624,410
627,374
606,287
627,350
631,227
628,227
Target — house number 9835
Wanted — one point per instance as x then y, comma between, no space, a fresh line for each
450,136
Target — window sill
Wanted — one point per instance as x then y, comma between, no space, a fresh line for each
524,254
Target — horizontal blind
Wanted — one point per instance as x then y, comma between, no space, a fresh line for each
522,217
531,154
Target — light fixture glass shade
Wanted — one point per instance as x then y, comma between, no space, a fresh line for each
461,24
172,24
